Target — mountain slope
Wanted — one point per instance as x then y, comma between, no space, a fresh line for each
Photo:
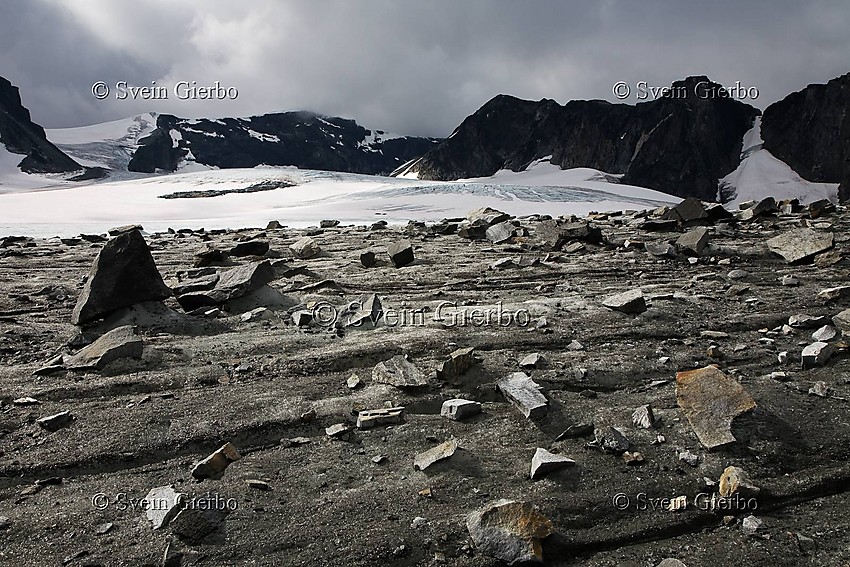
679,145
300,139
21,136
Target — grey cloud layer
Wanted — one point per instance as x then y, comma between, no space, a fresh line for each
409,67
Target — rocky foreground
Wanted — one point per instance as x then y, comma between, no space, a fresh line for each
656,388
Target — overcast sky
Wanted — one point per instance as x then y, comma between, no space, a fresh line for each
408,67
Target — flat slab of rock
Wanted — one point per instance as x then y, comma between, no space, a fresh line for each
123,274
214,465
162,504
399,372
800,245
524,393
509,531
631,302
459,409
711,400
368,419
233,283
556,235
842,320
545,462
55,422
435,454
118,343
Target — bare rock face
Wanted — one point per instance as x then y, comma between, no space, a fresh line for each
800,245
711,400
510,531
122,275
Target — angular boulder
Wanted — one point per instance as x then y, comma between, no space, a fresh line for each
509,531
305,248
631,302
123,274
400,253
694,241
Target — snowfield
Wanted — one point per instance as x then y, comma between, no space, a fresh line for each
350,198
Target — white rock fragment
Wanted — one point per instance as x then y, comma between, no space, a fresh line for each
545,462
459,409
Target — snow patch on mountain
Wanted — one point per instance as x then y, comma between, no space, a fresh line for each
761,175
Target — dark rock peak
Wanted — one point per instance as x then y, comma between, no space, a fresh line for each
22,136
679,144
810,131
303,139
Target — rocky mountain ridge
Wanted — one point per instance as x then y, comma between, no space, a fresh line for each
681,145
302,139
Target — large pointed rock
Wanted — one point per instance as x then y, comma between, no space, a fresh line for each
510,531
711,400
122,275
800,245
116,344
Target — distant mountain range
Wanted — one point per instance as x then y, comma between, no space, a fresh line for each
680,145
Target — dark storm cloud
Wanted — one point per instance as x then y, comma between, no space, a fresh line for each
410,67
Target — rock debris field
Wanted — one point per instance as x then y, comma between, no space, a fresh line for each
665,387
